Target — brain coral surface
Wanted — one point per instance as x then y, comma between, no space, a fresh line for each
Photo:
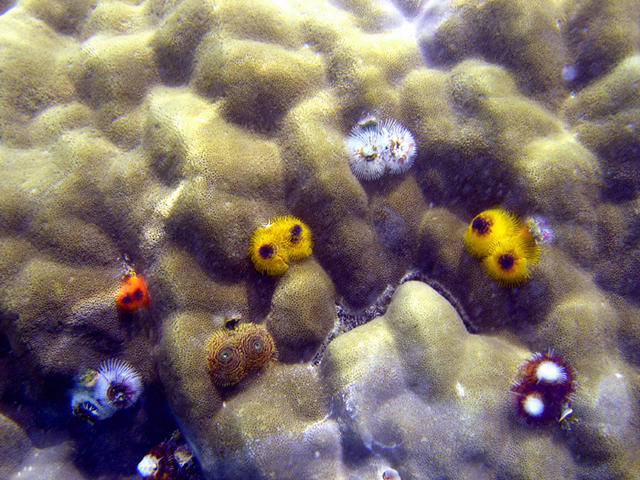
161,133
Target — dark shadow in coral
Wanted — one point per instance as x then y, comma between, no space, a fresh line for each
354,453
117,444
97,338
260,290
138,323
39,406
462,182
174,69
593,45
187,231
6,5
262,112
393,232
619,186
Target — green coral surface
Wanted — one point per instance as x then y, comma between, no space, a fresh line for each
162,133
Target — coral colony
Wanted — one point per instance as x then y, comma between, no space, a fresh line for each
376,148
541,392
166,126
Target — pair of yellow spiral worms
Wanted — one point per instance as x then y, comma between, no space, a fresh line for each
274,245
505,245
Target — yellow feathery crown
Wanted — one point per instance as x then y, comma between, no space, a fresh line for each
508,262
266,252
505,244
487,228
283,239
531,247
294,235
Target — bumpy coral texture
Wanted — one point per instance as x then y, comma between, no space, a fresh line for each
169,130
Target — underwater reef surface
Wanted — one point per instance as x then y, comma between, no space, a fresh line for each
161,133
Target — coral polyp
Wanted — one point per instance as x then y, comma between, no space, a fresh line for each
544,384
84,406
529,243
366,147
549,370
98,394
506,245
282,239
169,460
267,253
487,228
534,407
233,353
390,474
